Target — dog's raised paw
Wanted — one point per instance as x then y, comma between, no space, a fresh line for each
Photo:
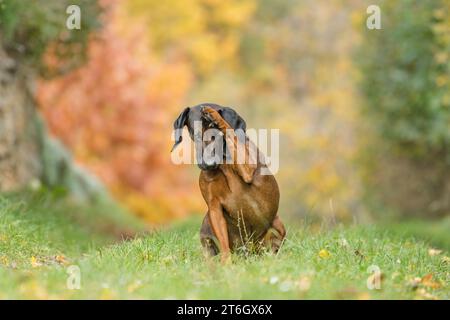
215,118
211,115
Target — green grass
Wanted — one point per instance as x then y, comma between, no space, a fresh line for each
35,231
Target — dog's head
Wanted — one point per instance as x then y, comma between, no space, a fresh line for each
193,116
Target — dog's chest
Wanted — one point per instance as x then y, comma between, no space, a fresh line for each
248,209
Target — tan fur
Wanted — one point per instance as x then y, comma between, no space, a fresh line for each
240,201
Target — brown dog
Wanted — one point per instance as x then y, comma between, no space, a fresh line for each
242,202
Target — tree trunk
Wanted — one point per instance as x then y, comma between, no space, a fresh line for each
28,154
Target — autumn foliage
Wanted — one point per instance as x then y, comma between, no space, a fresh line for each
115,113
282,64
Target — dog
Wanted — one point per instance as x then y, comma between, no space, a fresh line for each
242,202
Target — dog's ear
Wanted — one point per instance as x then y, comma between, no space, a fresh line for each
178,126
233,118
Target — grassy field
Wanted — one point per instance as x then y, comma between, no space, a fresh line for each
41,237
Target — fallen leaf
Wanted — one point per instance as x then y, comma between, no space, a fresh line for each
61,259
428,281
133,286
434,252
34,262
324,254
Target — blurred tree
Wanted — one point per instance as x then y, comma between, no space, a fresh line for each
29,27
406,76
28,155
405,79
115,113
282,64
206,32
296,74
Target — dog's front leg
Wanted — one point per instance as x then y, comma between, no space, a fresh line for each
219,226
246,169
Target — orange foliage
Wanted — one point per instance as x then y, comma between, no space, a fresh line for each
116,112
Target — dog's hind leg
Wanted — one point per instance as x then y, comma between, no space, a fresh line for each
208,239
275,235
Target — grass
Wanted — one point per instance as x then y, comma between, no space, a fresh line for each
40,237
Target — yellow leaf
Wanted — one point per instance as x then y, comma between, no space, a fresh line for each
324,254
133,286
107,294
34,262
363,296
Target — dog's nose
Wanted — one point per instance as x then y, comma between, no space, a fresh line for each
204,166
